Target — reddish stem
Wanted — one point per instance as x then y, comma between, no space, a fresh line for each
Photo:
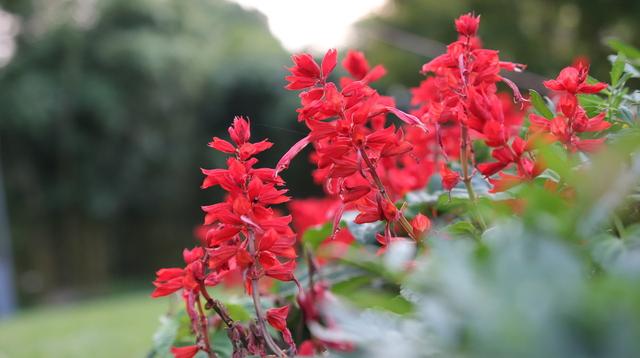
255,294
372,170
204,335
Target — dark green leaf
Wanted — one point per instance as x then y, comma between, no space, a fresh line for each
539,104
628,50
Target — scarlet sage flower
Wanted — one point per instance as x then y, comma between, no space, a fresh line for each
572,118
243,232
277,318
170,280
573,80
450,178
460,101
356,152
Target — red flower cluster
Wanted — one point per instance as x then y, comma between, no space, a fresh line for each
243,233
461,103
572,118
365,164
244,230
359,156
564,128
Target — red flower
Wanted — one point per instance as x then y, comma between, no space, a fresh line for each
171,280
185,352
573,80
307,349
277,318
306,72
450,178
356,64
420,224
572,118
358,67
467,25
168,281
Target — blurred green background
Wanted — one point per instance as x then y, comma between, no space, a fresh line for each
106,108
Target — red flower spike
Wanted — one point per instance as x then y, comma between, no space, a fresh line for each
460,99
244,236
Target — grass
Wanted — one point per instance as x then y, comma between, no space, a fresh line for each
120,326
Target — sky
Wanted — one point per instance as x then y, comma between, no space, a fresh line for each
312,24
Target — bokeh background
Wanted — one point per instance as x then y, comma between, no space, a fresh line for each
106,107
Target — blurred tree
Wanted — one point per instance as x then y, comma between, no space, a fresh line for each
7,288
107,109
546,35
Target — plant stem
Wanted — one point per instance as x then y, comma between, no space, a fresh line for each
205,330
466,177
255,295
372,170
216,306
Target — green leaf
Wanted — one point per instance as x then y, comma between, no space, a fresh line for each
539,104
607,250
550,174
353,284
221,343
617,68
463,228
238,312
316,235
628,50
370,298
592,103
165,336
